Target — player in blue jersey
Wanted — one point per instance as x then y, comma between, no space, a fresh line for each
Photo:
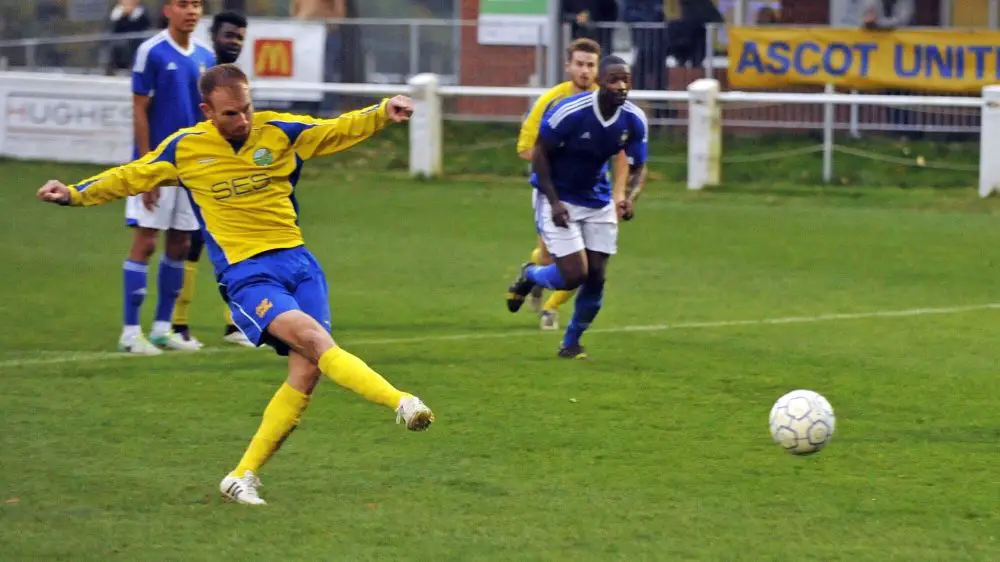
574,210
165,99
228,32
239,170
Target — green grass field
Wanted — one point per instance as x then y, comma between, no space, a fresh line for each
884,300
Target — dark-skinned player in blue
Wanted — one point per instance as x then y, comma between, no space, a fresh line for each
574,210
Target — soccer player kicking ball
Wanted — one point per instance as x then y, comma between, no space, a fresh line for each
239,169
574,211
581,64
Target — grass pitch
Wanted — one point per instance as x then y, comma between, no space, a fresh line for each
656,449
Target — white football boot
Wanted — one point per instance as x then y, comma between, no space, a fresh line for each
137,344
415,413
175,341
242,490
549,320
238,338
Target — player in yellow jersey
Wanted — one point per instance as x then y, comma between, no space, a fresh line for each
582,58
239,169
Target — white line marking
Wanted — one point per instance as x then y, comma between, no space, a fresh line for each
88,356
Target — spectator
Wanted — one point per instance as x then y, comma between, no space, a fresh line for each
688,42
318,10
592,19
649,40
129,16
887,15
767,16
880,14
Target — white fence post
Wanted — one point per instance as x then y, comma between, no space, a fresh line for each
828,119
989,142
704,133
425,126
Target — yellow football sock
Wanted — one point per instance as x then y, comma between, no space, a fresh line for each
351,372
280,418
186,295
536,256
557,299
229,317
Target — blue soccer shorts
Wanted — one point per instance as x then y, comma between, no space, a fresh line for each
260,288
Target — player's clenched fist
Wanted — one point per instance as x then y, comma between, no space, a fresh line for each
560,214
54,192
400,108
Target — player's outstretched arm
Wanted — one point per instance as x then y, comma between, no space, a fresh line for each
140,176
322,137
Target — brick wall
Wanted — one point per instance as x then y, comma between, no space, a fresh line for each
487,65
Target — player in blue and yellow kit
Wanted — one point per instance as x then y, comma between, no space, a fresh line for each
239,171
165,99
574,209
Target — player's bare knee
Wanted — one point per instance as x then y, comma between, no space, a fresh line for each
178,245
143,244
574,274
574,280
313,342
595,277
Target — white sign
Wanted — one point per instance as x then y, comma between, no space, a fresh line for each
52,120
280,51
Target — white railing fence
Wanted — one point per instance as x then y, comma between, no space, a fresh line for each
94,123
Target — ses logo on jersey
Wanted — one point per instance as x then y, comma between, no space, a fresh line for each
238,187
274,58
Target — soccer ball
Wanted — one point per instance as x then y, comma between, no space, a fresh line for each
802,422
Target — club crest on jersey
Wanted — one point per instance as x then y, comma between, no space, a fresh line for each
263,308
201,68
263,157
624,136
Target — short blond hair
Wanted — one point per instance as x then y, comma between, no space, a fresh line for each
221,76
583,45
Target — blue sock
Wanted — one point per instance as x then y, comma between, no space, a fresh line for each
169,283
547,276
588,304
135,290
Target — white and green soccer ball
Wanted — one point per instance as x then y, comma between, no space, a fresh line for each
802,422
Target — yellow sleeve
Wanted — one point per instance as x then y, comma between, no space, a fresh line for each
529,129
157,167
311,137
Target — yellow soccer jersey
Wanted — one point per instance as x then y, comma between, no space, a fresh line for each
529,129
244,199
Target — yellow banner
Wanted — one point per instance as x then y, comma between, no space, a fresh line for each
934,61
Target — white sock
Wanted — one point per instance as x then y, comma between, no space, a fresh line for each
130,332
160,328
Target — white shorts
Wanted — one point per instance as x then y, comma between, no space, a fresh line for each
591,229
172,211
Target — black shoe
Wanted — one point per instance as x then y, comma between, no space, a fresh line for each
573,352
519,289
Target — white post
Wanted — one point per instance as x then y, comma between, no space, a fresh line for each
828,118
553,41
425,126
855,130
704,133
989,142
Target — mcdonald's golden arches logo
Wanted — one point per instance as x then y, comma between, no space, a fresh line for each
273,58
